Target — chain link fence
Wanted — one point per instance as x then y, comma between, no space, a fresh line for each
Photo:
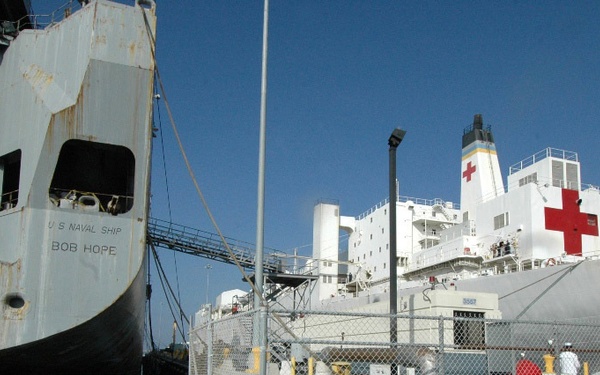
337,343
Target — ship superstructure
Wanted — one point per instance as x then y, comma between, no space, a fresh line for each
75,112
534,241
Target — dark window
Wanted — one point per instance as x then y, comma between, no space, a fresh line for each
10,174
94,176
469,329
572,173
557,173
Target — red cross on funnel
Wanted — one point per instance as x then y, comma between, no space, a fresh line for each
571,221
469,171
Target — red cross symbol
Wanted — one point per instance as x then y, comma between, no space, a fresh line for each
469,171
571,221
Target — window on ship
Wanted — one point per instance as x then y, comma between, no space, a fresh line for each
93,176
10,174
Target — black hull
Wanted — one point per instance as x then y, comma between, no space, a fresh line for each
110,343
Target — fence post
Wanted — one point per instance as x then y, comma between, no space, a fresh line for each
209,345
263,338
191,346
440,357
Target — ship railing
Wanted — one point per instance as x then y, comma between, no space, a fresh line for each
459,230
590,187
436,255
294,264
38,21
9,200
91,201
41,21
592,255
540,155
574,185
469,128
541,183
405,199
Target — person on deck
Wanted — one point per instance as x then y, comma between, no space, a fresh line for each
569,363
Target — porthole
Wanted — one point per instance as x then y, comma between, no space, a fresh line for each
14,301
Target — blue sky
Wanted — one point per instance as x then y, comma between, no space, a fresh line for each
342,76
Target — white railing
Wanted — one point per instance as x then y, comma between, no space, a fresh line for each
545,153
404,199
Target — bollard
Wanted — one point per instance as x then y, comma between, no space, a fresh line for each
255,368
341,368
586,368
293,366
549,363
311,365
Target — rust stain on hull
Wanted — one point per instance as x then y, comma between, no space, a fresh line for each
10,275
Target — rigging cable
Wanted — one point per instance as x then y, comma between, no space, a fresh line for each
149,327
162,144
148,299
163,279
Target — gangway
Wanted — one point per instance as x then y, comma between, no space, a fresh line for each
208,245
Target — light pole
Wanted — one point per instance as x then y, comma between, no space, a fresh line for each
208,268
394,140
259,339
